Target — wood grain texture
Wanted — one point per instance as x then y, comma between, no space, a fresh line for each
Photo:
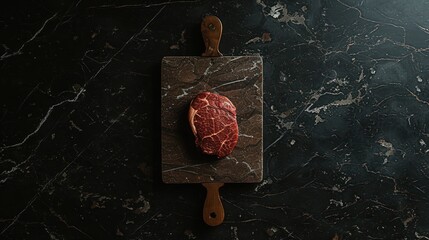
239,79
213,212
211,29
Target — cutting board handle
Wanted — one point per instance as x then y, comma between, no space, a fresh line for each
213,213
211,29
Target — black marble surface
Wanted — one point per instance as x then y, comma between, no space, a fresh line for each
346,102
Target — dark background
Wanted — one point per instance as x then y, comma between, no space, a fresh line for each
346,109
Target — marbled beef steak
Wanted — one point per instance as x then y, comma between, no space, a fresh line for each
212,118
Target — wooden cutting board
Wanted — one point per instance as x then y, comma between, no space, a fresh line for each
237,77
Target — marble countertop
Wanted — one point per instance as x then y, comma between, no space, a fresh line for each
346,112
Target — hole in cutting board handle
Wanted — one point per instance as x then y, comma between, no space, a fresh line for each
213,213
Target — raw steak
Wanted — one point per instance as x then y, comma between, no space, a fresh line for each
213,121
